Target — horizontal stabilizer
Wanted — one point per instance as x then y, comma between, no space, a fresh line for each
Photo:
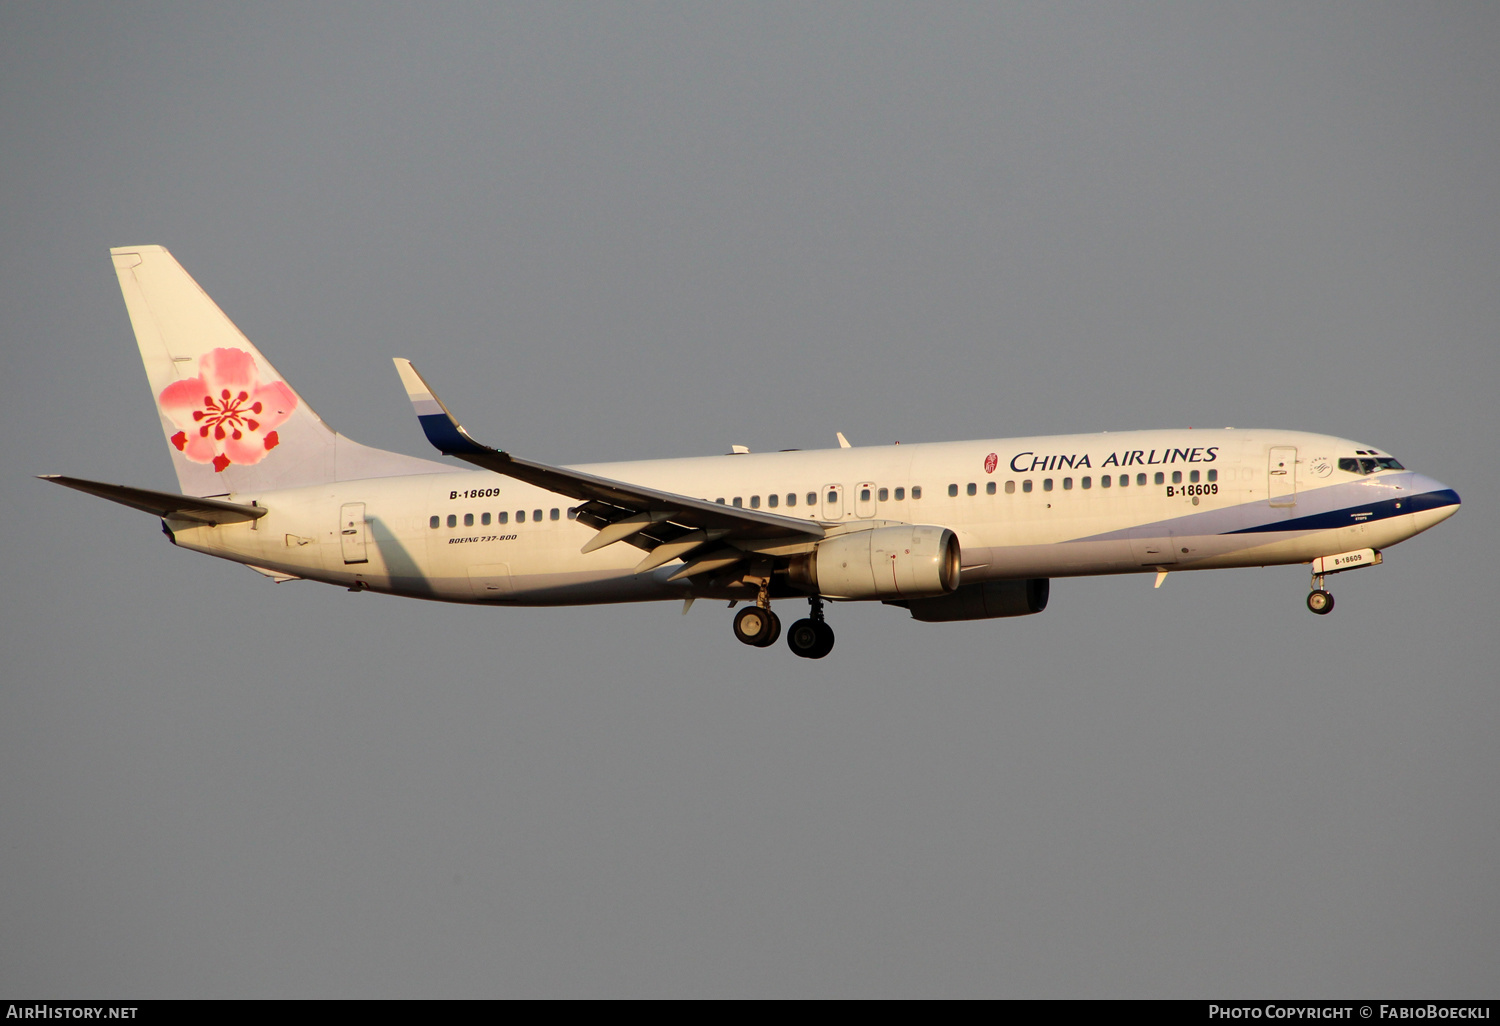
164,504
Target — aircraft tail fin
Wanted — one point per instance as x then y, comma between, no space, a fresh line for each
232,422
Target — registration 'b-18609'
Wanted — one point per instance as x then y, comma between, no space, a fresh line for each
948,531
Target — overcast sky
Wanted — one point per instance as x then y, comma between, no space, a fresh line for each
621,231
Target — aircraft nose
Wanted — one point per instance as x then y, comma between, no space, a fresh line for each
1431,501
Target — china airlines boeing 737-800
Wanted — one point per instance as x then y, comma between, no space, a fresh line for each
949,531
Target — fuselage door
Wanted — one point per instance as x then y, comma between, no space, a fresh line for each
864,500
833,502
352,532
1283,475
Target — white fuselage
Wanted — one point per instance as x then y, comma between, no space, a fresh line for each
1021,508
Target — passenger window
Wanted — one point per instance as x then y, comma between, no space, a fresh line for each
900,494
452,520
739,500
1140,480
556,513
833,496
1192,477
468,520
520,516
882,495
773,500
812,498
989,488
572,512
952,491
916,491
484,520
434,522
1124,480
1067,484
1213,475
755,502
720,500
1026,485
791,498
1160,478
1010,488
536,516
503,517
1177,477
972,490
864,495
1047,484
1106,481
1088,482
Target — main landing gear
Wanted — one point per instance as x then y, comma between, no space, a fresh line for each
758,626
1318,600
810,638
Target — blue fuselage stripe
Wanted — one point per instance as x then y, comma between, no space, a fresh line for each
1362,514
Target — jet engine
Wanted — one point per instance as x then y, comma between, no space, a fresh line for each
985,601
909,561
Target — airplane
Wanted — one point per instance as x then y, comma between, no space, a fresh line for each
948,531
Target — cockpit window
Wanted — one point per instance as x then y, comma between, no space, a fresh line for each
1368,464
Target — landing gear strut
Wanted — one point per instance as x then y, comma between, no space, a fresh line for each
1319,601
811,638
757,625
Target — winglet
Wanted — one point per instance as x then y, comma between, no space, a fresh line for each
441,428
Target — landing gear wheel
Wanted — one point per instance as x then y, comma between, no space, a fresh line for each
774,634
810,639
753,625
1320,602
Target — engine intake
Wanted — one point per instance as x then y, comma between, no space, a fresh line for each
909,561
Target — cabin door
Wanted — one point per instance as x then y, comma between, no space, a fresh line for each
352,532
1283,475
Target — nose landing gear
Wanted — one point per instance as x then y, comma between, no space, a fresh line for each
1319,601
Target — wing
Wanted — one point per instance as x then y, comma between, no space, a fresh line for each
707,536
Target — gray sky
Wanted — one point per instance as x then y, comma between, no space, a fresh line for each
634,230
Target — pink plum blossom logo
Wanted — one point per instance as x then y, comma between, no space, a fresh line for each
225,414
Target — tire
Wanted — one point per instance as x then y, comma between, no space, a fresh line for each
803,638
774,634
825,639
752,625
1320,602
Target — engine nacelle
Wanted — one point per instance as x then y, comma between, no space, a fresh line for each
910,561
983,601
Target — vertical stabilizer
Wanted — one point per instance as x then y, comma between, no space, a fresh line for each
232,422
